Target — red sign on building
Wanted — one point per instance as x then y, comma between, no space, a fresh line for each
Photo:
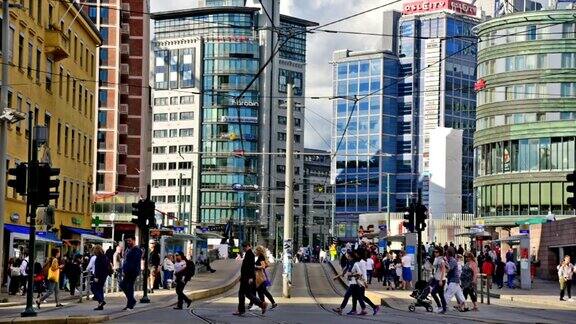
436,5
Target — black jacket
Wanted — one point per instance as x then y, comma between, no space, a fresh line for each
248,270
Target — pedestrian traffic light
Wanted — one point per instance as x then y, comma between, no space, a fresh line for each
409,218
138,211
46,184
18,184
144,211
421,217
571,179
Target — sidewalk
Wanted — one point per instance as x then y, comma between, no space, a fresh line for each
515,306
201,286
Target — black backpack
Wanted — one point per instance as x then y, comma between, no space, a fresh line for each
190,270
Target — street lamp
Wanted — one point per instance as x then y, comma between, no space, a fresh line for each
112,218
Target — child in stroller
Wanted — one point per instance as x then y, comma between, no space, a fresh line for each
420,294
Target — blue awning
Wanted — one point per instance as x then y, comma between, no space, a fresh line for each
23,232
79,231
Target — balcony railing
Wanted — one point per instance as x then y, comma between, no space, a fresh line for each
56,44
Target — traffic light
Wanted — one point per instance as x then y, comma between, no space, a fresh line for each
46,184
409,218
18,184
571,178
421,217
144,211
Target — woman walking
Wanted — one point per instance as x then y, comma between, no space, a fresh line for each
168,271
438,281
102,269
53,268
406,271
353,287
181,279
565,273
469,279
261,266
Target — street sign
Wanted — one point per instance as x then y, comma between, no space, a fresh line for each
99,230
524,229
96,221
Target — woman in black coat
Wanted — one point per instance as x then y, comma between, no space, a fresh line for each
101,272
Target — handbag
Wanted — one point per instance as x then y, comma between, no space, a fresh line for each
267,281
260,277
52,275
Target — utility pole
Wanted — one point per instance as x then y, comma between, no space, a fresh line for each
289,194
4,125
191,200
180,198
388,203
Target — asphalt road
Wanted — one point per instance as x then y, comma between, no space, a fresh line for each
312,298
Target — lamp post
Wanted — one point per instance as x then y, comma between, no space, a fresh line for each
112,219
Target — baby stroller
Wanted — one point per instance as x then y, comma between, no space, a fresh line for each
420,293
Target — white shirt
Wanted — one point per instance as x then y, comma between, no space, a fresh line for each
406,261
168,265
23,267
362,267
355,269
179,266
92,265
369,264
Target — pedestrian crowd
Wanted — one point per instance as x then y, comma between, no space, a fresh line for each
124,263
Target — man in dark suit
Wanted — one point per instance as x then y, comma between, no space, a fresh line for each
247,282
130,270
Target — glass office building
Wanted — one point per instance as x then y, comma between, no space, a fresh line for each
437,69
228,131
526,122
364,135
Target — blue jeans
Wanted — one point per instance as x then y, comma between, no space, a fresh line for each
127,286
511,281
166,276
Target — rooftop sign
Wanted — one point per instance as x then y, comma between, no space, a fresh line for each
436,5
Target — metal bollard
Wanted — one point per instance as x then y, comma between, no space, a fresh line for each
81,290
482,276
488,291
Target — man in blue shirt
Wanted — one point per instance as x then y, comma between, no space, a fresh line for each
130,270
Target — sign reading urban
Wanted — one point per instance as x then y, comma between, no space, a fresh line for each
435,5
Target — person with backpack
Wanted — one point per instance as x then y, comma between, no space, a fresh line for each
183,272
51,271
261,276
130,271
74,271
102,269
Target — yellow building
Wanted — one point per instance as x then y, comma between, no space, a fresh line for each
52,73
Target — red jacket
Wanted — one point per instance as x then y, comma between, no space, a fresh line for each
488,268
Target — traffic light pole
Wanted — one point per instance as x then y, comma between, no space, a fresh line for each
31,206
145,234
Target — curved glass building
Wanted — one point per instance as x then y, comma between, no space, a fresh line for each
526,115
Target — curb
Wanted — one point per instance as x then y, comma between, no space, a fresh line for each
58,319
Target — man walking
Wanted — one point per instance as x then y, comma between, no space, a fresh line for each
247,282
180,271
130,270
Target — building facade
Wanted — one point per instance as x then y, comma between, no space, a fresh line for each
122,146
53,56
318,196
525,137
211,54
364,136
438,58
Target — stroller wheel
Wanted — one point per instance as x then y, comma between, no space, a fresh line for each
429,309
412,308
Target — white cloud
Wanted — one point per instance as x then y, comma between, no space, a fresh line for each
320,48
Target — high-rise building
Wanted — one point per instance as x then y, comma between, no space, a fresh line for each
525,135
317,203
364,136
53,50
209,55
437,54
122,146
